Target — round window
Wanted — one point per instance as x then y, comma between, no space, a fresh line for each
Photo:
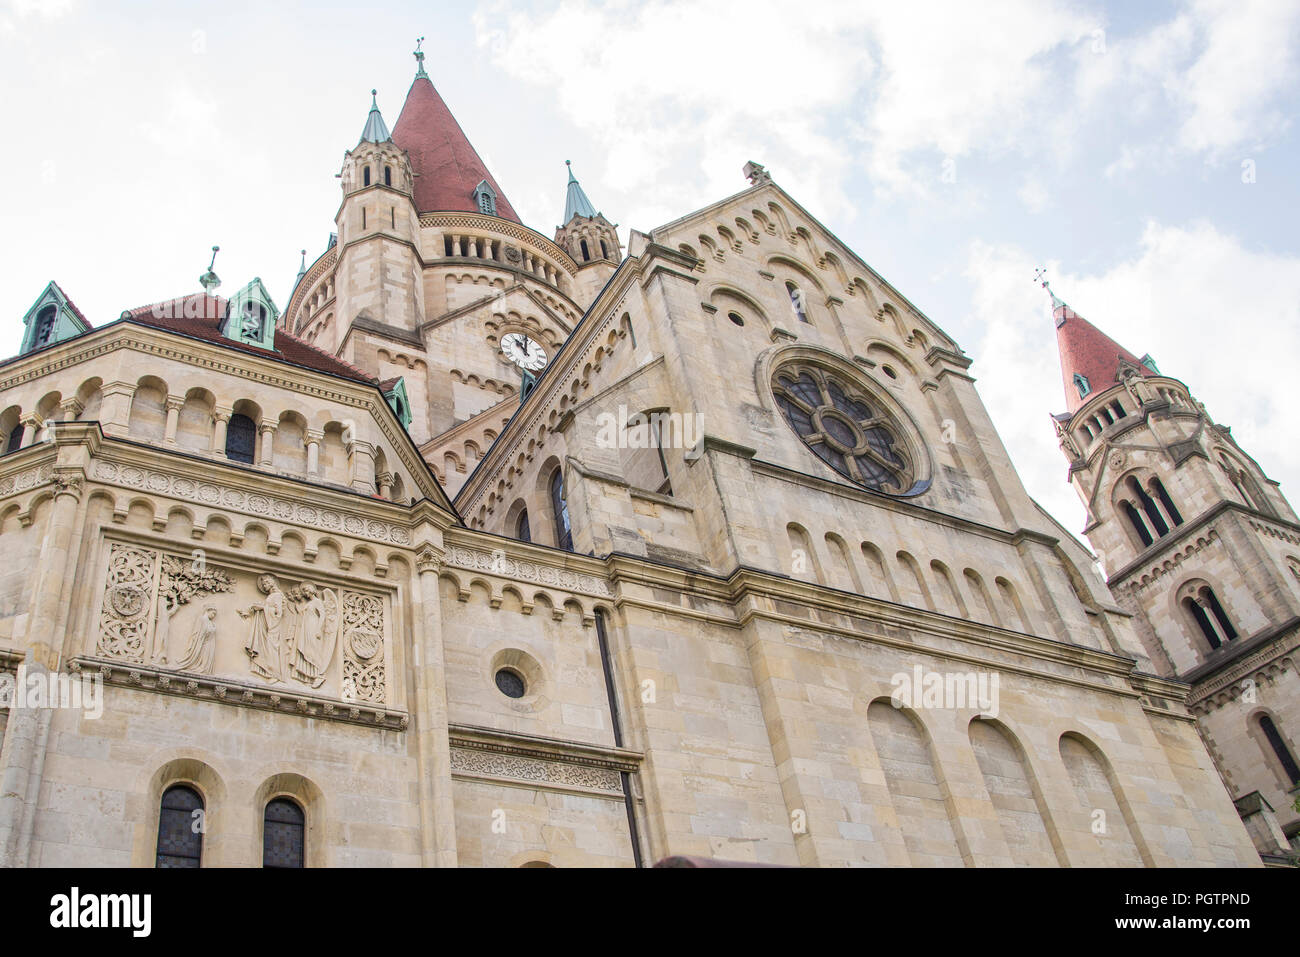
845,427
509,683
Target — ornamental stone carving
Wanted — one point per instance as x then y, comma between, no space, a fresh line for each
517,767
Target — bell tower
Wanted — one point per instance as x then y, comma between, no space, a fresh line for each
378,274
1203,550
590,238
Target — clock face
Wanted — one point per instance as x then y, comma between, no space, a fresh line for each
523,351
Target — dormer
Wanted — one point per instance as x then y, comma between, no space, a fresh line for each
52,318
251,316
395,395
485,198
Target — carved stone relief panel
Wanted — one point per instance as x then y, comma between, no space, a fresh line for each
189,615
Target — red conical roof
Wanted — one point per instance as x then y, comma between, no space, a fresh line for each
446,167
1087,351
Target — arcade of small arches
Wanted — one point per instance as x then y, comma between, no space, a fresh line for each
237,431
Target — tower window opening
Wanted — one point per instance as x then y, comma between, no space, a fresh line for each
15,440
392,213
1284,755
1220,616
1149,506
1110,419
241,439
1202,621
585,254
1158,487
1135,520
365,177
1081,383
446,245
363,217
797,301
45,326
522,531
604,250
1119,409
388,176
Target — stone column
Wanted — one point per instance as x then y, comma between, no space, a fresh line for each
433,745
33,424
361,456
384,480
267,448
222,421
115,407
314,439
174,405
70,409
23,761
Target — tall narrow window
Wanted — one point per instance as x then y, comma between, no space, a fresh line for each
1081,383
522,531
1220,616
586,255
15,440
388,176
283,828
796,301
1284,755
241,439
1135,520
1149,506
1159,488
560,508
604,250
180,827
1202,621
366,176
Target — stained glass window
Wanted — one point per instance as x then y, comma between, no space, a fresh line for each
282,834
844,427
180,827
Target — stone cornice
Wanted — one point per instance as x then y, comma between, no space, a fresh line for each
1260,652
240,694
521,760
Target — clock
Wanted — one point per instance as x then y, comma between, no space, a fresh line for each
523,351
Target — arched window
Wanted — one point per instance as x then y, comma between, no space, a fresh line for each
366,176
1204,607
585,255
560,508
283,828
180,827
604,250
1158,487
1135,520
1149,506
1203,621
1284,755
796,301
1081,383
388,176
15,440
241,439
522,531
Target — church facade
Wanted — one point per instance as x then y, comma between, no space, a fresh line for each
493,549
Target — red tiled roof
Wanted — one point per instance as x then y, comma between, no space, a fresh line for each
199,315
1088,351
445,164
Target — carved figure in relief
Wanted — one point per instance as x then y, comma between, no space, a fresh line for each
265,644
202,649
315,633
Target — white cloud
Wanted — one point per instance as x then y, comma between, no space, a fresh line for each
1034,195
1221,317
49,9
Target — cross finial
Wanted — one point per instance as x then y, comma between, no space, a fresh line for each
1040,275
419,59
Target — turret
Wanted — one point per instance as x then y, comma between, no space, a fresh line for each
589,238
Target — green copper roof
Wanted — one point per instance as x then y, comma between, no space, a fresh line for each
577,203
376,130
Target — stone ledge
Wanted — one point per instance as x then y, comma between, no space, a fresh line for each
239,694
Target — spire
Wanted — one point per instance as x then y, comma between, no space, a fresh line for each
302,270
376,130
577,203
1090,359
448,171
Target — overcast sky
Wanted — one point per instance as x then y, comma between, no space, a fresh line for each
1146,154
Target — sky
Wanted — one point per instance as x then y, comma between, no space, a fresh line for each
1146,155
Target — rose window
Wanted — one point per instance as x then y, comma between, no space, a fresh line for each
844,427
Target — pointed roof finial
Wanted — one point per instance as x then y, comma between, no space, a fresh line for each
302,270
1040,277
209,280
376,130
576,202
419,59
